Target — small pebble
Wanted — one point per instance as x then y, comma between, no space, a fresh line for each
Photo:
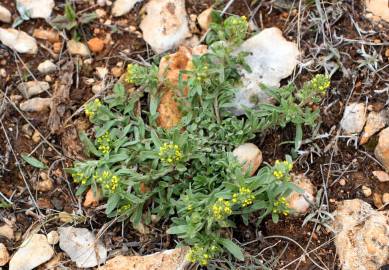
366,191
96,45
4,255
385,198
377,200
36,137
53,237
342,182
116,72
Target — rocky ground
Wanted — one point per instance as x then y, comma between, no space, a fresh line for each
51,66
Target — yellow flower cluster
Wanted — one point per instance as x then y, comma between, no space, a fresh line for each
321,82
79,178
278,174
91,108
170,153
124,208
107,180
245,197
130,73
282,168
104,143
202,73
201,255
221,209
281,206
238,20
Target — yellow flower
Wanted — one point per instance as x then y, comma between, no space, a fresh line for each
170,153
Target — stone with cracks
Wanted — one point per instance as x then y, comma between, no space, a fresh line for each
82,246
361,235
165,25
272,58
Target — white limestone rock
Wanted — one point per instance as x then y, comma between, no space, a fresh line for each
354,118
165,25
272,58
18,40
82,246
36,8
121,7
33,252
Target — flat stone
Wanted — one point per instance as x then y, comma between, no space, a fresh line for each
82,246
165,25
18,40
33,252
33,88
37,8
121,7
173,259
35,104
272,58
354,118
361,235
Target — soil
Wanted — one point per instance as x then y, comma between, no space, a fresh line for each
325,161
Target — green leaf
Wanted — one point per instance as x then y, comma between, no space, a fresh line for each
34,162
233,248
89,146
298,137
112,203
180,229
88,17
